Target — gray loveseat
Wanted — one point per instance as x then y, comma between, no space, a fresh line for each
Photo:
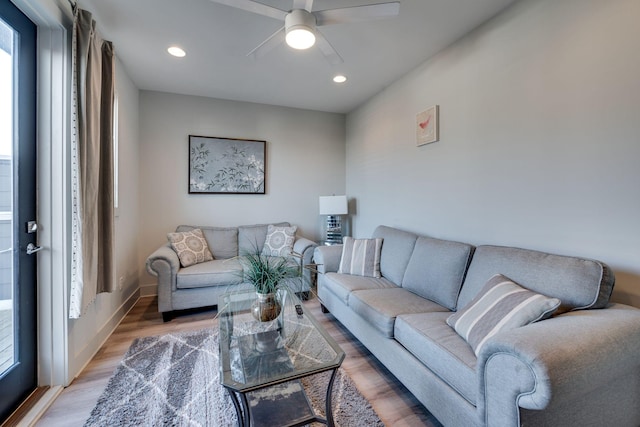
200,285
577,368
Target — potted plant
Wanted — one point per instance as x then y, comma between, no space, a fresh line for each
266,274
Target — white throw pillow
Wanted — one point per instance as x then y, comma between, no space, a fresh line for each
279,241
500,305
361,257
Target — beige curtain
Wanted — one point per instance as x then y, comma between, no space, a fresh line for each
92,164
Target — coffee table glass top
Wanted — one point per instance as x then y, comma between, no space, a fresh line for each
257,354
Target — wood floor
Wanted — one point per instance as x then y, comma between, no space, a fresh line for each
393,403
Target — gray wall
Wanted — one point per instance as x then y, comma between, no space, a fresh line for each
305,160
540,138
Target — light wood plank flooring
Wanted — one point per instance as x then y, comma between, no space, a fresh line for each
393,403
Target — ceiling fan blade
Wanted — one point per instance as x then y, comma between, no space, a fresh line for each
254,7
327,50
274,40
357,13
303,4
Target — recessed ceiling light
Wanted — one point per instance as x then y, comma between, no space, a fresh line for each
339,78
176,51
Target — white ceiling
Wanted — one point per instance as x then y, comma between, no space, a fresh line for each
217,39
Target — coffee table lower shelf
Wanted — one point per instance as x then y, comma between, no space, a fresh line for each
283,405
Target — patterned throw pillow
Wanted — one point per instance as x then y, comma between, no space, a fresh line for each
361,257
500,305
191,247
279,241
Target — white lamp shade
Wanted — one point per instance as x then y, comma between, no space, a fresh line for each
333,205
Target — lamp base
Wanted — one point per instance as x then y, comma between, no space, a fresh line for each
334,230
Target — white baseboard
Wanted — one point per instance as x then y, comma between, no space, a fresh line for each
91,347
148,290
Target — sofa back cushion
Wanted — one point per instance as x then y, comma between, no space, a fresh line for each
222,241
436,270
578,283
251,237
397,246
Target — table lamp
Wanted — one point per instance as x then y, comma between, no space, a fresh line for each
333,207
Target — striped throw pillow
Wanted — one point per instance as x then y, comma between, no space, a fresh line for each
361,257
500,305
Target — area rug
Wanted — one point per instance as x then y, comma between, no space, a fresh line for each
173,380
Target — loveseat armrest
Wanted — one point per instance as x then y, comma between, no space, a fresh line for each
327,258
163,254
164,264
304,247
558,359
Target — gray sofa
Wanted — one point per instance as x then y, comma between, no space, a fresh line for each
200,285
578,368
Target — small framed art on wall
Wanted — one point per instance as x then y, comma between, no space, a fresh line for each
427,126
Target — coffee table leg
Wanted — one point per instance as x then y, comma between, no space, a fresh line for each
245,408
239,411
329,409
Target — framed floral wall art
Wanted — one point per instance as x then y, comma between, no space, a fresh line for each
226,166
427,126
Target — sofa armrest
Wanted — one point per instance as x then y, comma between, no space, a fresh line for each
164,264
327,258
561,358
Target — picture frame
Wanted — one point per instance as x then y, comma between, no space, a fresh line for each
428,126
226,165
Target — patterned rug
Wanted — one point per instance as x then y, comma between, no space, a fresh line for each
173,380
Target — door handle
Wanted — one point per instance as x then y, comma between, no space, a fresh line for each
32,249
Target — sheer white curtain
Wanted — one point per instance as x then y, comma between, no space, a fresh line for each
91,164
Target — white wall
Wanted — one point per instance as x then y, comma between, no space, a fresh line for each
87,333
540,138
305,159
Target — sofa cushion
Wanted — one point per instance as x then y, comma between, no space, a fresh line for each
343,284
428,337
226,272
578,283
501,305
361,257
436,270
279,240
251,237
190,246
397,247
380,307
223,241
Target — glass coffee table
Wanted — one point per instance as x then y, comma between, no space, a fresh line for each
261,363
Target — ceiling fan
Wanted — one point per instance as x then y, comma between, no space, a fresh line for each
300,30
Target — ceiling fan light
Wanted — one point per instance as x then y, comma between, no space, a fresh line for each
300,38
299,27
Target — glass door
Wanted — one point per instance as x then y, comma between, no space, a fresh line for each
18,366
